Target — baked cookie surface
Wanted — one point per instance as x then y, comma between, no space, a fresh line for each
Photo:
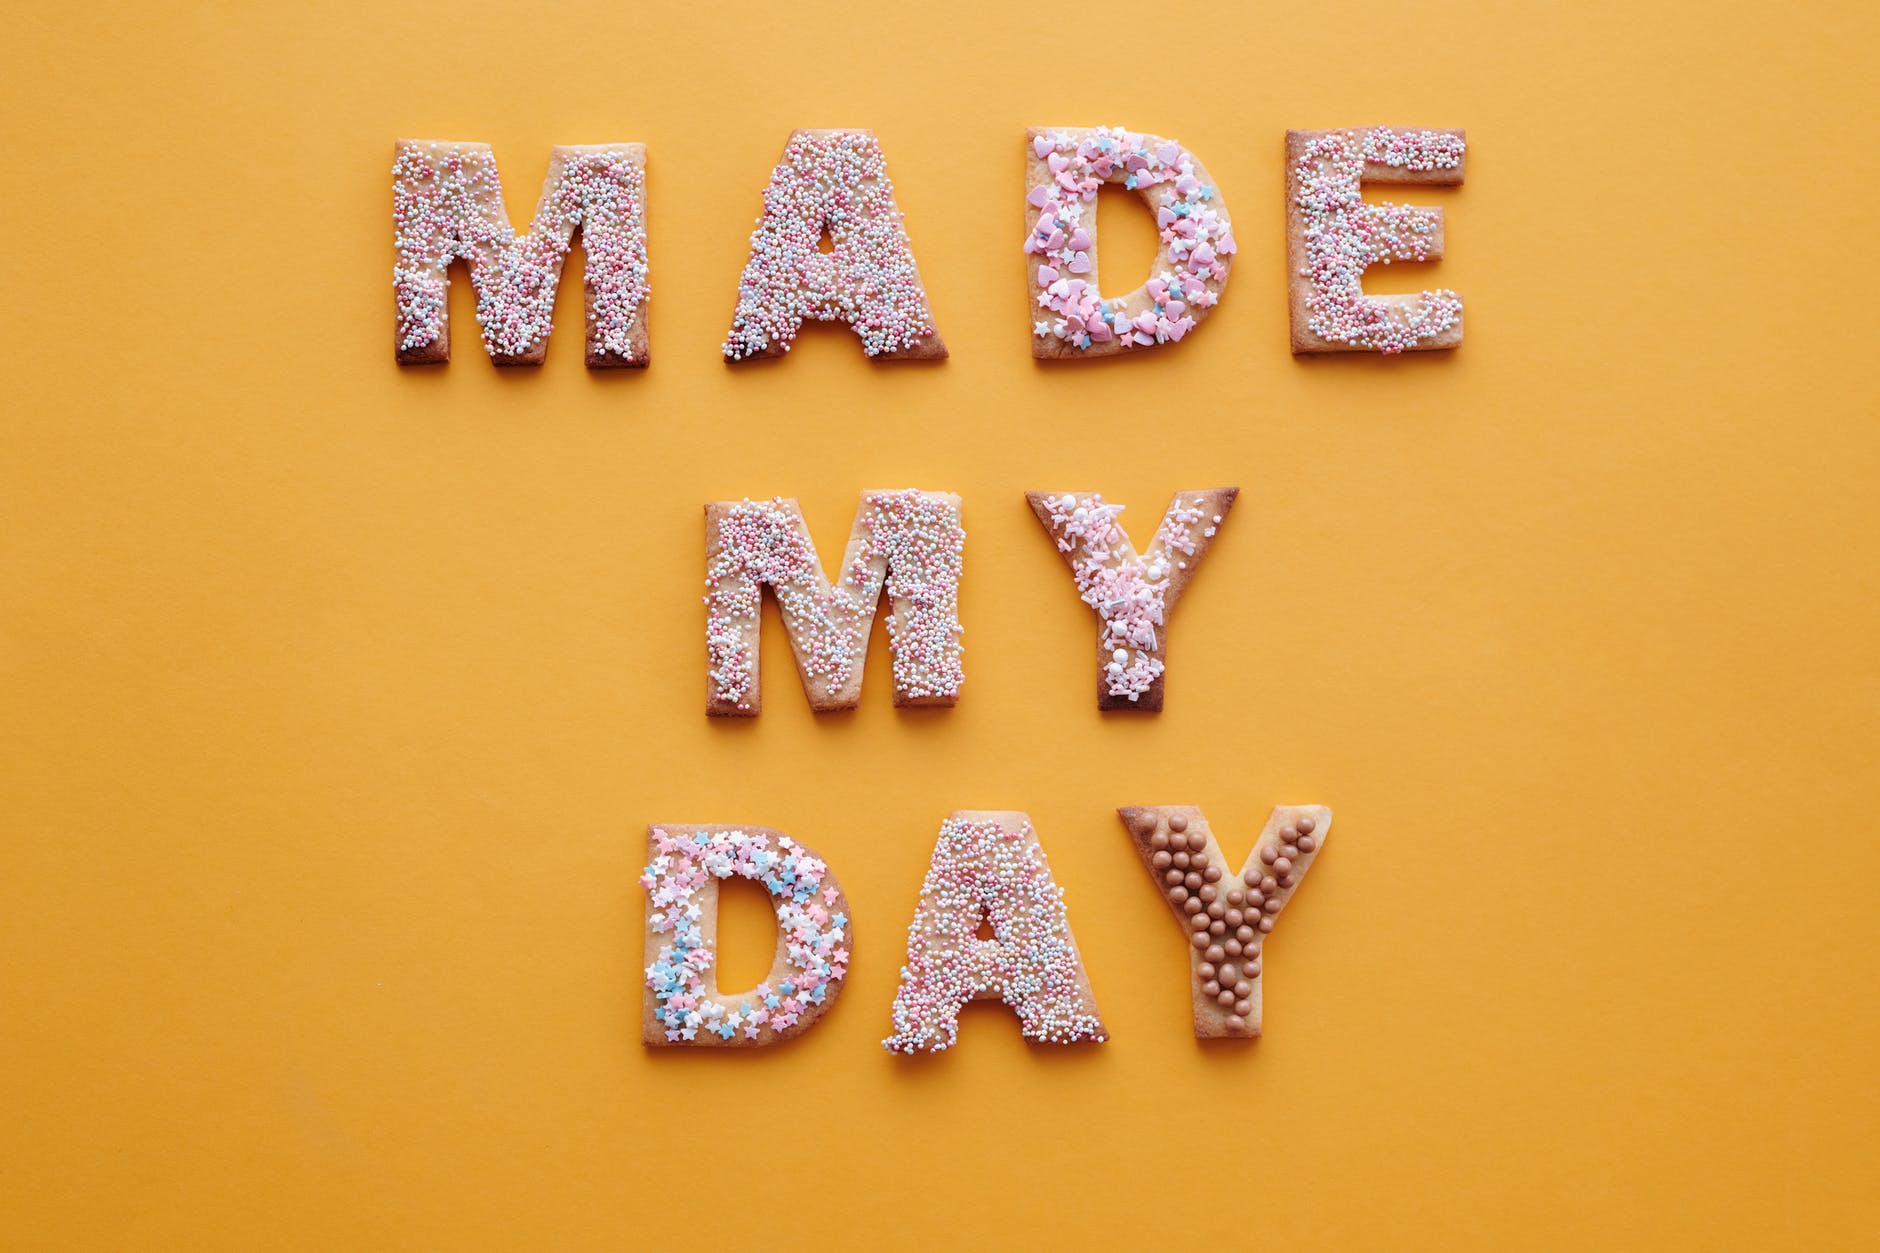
1333,235
447,205
1070,317
988,867
1226,915
1133,595
683,1004
907,544
832,182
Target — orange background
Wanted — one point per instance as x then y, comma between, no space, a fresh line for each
337,696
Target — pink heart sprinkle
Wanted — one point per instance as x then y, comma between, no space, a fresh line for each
1080,239
1040,145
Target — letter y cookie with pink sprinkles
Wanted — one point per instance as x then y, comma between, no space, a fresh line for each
1133,595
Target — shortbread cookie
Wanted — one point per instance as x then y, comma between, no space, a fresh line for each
1226,917
910,543
1332,235
833,181
989,867
683,1004
447,204
1132,595
1069,315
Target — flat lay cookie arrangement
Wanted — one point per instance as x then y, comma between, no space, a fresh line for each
832,246
928,602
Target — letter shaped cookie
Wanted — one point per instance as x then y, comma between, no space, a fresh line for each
683,1004
1332,235
1132,595
833,181
910,542
1224,916
1070,317
447,205
988,866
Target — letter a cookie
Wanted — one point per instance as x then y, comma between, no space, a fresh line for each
833,182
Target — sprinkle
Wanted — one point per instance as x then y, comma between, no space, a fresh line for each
1197,240
990,867
1131,594
682,883
909,543
447,204
834,182
1343,235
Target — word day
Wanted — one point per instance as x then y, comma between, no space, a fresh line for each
988,873
832,186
